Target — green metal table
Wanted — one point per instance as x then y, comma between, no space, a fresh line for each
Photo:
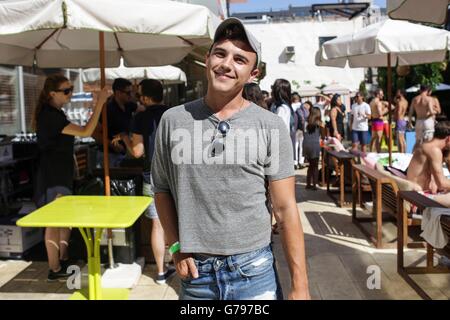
86,213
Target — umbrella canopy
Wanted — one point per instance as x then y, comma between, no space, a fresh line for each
85,34
408,44
64,33
308,91
434,11
166,73
335,88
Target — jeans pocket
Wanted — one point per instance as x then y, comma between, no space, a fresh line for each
258,265
186,280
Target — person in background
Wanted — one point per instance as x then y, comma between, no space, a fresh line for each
281,104
120,110
54,178
311,147
252,92
401,106
298,139
143,144
336,124
379,109
296,101
302,116
267,98
359,122
426,166
437,107
323,103
425,108
281,95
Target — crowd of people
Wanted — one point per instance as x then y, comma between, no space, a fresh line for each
311,124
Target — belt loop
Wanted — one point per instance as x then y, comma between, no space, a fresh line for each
231,263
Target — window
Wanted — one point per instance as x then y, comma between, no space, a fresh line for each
10,116
9,109
322,40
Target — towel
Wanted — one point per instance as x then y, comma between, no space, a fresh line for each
431,227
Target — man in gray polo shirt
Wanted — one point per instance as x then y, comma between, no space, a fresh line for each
214,159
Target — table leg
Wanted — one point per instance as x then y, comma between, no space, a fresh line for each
379,216
94,269
323,167
328,173
97,266
86,234
95,290
356,197
430,255
400,221
342,184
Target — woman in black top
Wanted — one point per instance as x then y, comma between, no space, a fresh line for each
336,124
55,138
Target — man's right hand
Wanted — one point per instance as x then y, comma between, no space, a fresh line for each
115,144
185,265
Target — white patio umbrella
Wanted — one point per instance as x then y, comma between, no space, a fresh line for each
85,34
386,44
308,91
335,88
164,73
65,33
432,11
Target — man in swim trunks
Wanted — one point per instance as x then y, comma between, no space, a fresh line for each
426,167
379,109
401,105
424,107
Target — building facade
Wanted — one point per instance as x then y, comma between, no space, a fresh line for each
291,38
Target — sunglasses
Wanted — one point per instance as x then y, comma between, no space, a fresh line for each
66,91
217,147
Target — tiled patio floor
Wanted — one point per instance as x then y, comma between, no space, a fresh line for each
338,256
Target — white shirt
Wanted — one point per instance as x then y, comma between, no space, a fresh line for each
284,112
296,105
360,120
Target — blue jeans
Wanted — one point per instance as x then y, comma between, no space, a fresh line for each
247,276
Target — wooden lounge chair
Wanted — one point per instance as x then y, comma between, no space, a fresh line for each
421,202
384,188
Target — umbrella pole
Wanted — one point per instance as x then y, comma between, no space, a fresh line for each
389,96
105,143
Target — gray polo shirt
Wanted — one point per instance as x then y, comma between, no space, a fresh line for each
219,183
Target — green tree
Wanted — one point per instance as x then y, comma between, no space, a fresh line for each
427,74
363,89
